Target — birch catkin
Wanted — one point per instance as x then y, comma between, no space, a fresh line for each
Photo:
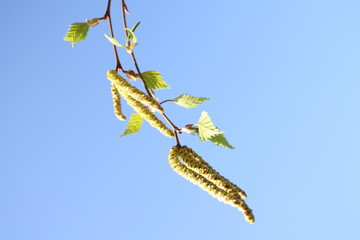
197,164
117,103
124,87
207,185
149,116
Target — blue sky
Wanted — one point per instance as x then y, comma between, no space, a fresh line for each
283,79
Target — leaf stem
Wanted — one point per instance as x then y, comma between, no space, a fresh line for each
166,101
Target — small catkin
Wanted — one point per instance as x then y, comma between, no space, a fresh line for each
117,103
197,164
124,87
207,185
146,114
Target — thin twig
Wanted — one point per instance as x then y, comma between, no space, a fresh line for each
177,139
176,129
107,16
171,123
124,9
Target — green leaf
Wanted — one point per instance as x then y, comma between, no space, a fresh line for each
131,36
136,25
77,32
188,101
153,80
114,41
206,127
221,141
134,124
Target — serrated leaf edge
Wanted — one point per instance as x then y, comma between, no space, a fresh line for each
134,125
211,129
190,101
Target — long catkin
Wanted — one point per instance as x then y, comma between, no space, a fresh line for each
124,87
199,165
149,116
117,103
207,185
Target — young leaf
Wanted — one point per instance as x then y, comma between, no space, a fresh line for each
136,25
206,127
131,41
134,124
188,101
77,32
131,36
221,141
153,80
114,41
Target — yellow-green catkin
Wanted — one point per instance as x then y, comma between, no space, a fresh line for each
124,87
197,164
207,185
149,116
117,103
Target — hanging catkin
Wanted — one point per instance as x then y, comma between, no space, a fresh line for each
117,103
124,87
206,184
149,116
197,164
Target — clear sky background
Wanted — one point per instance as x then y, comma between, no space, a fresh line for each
283,77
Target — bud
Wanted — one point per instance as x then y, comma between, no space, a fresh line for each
93,22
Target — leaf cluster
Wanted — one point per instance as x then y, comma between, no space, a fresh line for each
204,128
